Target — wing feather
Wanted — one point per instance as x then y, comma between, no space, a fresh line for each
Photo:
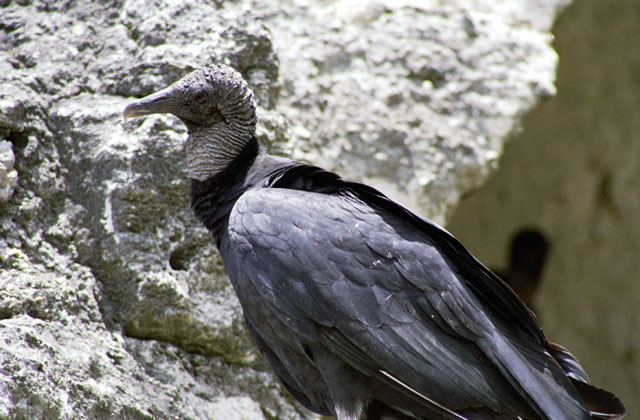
387,298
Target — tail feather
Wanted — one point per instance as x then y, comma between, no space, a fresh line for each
602,404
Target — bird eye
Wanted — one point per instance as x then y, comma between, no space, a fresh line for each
201,98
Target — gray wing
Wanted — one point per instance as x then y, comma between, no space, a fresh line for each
379,294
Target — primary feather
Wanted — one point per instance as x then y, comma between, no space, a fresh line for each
364,309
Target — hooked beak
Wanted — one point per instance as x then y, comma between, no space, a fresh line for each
157,103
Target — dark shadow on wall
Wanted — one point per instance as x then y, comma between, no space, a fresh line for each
574,172
528,252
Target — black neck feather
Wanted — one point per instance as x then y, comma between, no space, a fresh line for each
212,200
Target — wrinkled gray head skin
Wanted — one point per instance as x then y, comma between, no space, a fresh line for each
218,108
207,96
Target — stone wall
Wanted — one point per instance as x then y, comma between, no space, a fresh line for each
113,300
574,172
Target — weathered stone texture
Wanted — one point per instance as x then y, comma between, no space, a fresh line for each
417,100
8,175
113,300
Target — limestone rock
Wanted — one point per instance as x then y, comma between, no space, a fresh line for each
113,300
8,176
414,97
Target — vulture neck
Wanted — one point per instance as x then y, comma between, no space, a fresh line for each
211,149
213,198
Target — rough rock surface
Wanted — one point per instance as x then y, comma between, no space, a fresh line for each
415,99
113,300
8,175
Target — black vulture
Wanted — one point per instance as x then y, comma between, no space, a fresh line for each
363,309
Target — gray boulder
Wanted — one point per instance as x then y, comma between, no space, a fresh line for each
113,300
